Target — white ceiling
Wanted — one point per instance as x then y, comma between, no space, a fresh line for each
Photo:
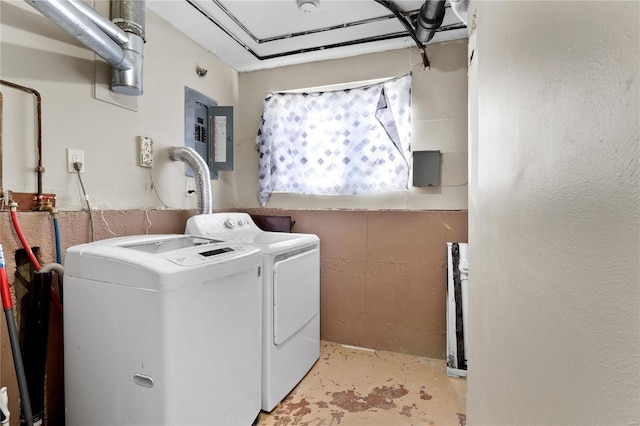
276,33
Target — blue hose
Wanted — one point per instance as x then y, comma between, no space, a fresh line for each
56,228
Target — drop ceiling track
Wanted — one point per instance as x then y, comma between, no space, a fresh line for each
298,34
403,17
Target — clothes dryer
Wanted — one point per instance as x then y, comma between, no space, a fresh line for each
291,297
162,330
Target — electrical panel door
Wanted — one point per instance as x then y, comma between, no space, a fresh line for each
208,128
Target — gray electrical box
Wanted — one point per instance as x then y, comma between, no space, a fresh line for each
426,168
208,128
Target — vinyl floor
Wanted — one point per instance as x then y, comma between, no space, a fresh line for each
351,386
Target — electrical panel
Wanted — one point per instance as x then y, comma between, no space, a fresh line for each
208,128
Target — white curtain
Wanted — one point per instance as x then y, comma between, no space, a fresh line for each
340,142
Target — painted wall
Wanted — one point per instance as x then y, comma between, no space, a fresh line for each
38,54
383,275
554,214
80,113
439,121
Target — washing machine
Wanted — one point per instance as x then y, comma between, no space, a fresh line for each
162,330
291,297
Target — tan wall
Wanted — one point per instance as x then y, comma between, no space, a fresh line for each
439,122
554,224
383,275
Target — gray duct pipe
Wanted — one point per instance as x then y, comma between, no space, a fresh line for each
65,15
120,43
200,173
107,27
129,15
429,19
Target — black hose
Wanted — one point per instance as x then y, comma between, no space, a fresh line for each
35,316
25,402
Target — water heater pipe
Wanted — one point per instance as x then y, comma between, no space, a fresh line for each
129,16
66,16
109,28
120,41
200,173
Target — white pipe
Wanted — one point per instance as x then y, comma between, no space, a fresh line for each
460,9
4,405
55,267
64,14
107,27
200,174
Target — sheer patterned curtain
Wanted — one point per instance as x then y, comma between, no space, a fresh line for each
341,142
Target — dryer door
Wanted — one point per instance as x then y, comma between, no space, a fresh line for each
296,293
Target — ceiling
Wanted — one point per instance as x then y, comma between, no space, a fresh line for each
258,34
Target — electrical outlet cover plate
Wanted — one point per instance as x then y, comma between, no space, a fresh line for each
189,189
146,152
74,155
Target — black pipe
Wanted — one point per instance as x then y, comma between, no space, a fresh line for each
25,401
398,14
429,19
35,313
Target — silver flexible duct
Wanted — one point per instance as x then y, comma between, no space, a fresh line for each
65,15
200,174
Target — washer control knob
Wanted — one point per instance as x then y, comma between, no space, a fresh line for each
229,223
241,222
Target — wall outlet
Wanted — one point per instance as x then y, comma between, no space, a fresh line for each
75,155
189,189
146,152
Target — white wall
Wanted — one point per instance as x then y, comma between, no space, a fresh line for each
37,54
554,214
439,121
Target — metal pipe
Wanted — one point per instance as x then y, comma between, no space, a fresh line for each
429,19
129,15
39,168
200,173
107,27
65,15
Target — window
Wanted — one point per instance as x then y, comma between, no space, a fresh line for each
352,141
